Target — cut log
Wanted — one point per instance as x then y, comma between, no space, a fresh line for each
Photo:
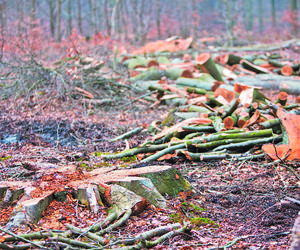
194,83
205,60
288,84
254,68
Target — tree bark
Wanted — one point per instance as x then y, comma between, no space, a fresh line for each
260,15
79,16
273,13
107,23
294,11
51,17
69,11
113,20
58,23
158,14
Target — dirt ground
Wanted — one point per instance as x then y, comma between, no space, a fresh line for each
241,199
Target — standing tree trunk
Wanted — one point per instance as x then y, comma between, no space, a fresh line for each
229,22
33,15
295,20
158,14
113,20
58,27
3,17
79,16
20,14
108,27
273,13
51,17
249,14
260,15
69,11
124,12
95,17
92,17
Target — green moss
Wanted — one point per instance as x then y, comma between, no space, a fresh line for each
176,217
99,153
123,166
3,158
102,164
129,159
200,221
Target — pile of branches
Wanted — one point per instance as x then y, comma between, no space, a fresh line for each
92,237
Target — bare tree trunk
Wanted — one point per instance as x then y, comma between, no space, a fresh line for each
113,20
58,27
3,16
108,26
158,15
249,14
229,22
33,15
51,17
260,16
294,10
124,12
273,13
69,11
95,17
79,16
92,17
195,20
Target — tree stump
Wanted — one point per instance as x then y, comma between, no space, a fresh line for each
121,189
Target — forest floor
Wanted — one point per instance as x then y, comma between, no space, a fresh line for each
242,200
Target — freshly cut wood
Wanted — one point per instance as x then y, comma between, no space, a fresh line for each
206,60
149,75
194,83
177,127
291,134
228,122
287,70
231,59
254,68
295,245
282,98
227,94
187,73
276,152
173,73
152,63
288,84
165,45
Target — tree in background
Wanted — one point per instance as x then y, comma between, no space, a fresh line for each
295,17
139,21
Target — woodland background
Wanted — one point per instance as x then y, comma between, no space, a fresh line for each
234,21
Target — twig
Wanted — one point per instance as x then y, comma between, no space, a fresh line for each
138,98
21,238
118,223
